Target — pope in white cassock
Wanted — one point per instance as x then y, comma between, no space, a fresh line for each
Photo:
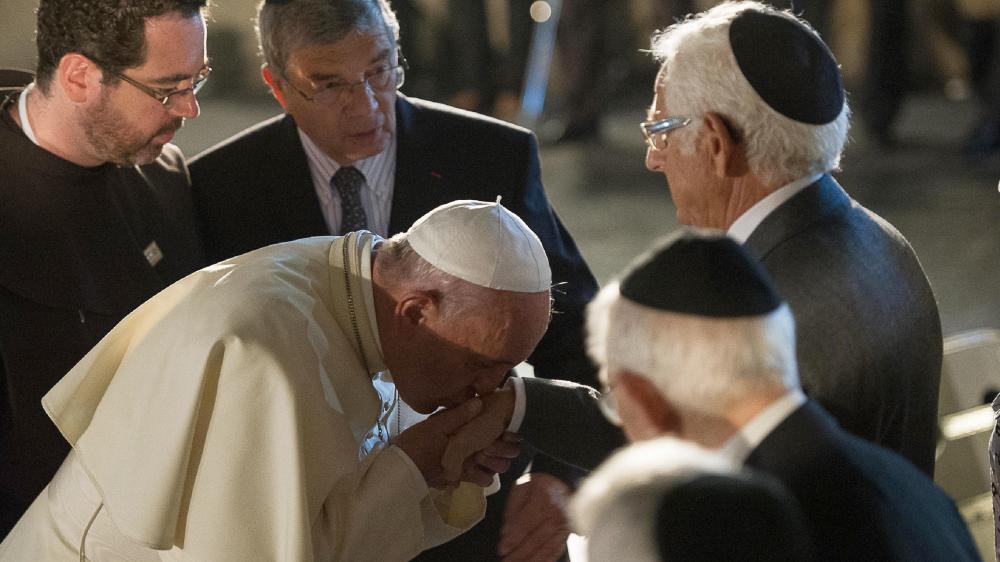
235,416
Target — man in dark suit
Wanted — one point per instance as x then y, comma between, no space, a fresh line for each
748,121
668,499
352,153
697,343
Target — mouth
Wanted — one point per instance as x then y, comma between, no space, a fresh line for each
165,136
365,136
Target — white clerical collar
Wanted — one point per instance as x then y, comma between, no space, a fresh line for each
748,437
22,114
745,224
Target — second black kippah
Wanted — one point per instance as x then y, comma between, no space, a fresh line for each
791,69
700,274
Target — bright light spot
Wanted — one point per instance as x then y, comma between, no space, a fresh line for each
967,422
540,11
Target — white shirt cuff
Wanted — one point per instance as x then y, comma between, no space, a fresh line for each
520,403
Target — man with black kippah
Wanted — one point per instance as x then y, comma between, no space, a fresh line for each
748,120
710,358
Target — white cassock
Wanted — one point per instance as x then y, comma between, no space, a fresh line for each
226,420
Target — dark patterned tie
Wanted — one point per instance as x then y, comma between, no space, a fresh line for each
348,181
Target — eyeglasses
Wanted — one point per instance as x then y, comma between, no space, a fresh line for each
167,98
656,131
609,406
336,92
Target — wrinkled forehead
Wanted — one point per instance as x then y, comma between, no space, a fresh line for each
513,315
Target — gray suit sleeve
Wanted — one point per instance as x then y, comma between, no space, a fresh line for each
563,421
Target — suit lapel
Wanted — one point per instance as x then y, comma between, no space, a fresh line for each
291,193
821,200
422,167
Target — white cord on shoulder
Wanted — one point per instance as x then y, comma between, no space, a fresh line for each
86,530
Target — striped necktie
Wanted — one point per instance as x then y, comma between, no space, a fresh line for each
348,181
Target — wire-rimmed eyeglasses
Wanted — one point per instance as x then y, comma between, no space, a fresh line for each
167,98
656,131
336,92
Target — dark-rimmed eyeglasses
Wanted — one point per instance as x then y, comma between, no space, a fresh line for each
167,98
337,92
656,131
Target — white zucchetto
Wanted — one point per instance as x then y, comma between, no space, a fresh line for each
482,243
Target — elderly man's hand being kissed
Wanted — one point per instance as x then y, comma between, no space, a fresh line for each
466,443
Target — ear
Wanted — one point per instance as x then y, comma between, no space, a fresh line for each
274,83
79,77
645,413
416,308
727,153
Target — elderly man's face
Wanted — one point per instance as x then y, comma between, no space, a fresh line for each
357,124
700,198
464,357
128,126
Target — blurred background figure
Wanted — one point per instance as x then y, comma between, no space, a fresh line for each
983,18
487,58
667,499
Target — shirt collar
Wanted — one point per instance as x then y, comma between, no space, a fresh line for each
745,224
752,433
329,166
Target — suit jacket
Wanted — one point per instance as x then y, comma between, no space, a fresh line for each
868,333
861,501
256,189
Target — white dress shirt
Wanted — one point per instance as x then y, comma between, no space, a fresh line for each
745,224
376,195
748,437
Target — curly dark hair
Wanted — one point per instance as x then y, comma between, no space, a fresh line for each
110,31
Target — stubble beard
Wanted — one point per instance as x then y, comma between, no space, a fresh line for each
113,139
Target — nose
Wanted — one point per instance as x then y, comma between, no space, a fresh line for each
653,163
186,106
363,103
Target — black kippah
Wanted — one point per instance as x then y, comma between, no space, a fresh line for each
791,69
704,275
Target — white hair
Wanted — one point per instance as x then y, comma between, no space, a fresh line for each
698,363
699,74
616,506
